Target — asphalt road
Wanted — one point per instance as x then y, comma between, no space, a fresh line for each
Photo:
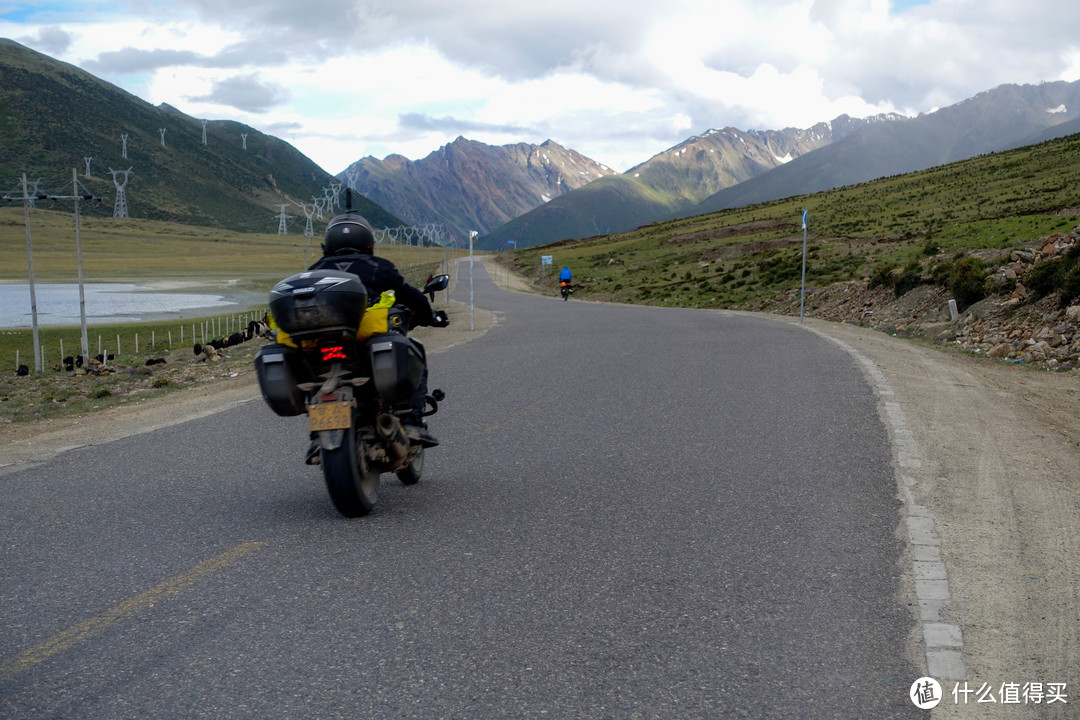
635,513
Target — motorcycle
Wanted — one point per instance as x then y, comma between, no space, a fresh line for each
354,371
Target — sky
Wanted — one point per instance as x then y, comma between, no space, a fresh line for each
618,82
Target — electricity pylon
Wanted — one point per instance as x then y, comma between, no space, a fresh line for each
282,229
120,209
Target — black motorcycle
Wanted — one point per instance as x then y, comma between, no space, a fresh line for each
354,371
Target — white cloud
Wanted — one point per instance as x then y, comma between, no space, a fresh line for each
348,78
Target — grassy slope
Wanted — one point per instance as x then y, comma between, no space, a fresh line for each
739,258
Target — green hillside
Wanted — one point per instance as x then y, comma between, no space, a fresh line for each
54,115
916,228
609,204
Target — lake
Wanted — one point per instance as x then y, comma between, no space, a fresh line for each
58,303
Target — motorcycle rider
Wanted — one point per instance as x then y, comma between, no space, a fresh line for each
349,246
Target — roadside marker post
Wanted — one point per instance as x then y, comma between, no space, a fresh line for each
802,291
472,322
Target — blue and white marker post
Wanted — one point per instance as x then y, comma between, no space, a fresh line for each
802,291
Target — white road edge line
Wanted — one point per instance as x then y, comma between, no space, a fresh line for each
943,642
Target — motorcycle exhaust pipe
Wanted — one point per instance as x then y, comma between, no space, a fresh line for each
393,436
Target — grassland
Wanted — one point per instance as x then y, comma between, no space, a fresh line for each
143,251
740,258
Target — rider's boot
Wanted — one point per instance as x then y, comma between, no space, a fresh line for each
417,431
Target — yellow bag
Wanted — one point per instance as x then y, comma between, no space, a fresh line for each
374,321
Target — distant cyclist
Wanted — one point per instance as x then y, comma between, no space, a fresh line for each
565,286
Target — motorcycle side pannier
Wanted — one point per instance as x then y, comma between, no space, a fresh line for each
317,301
397,366
277,368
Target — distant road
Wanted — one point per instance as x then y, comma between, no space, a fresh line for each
635,512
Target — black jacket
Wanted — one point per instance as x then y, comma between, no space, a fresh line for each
378,275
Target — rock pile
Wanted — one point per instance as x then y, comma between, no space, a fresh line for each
1009,325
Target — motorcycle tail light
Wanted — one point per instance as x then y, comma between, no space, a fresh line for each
330,353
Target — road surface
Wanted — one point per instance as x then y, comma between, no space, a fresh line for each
635,513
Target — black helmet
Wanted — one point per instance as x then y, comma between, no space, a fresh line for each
349,234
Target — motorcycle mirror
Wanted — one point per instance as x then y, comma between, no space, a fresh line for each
437,283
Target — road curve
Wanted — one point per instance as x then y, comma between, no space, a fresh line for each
635,513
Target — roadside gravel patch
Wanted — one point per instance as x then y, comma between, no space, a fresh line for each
996,465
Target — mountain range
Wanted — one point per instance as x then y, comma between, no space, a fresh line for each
470,186
55,117
725,168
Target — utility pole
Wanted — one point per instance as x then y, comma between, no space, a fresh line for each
204,132
120,209
78,251
123,139
162,131
30,264
87,160
243,140
77,196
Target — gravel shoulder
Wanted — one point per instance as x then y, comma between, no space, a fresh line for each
997,465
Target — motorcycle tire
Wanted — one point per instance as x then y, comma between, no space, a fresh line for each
352,484
410,474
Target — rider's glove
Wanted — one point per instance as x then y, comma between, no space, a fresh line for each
439,319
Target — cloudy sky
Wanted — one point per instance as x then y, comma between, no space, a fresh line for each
616,81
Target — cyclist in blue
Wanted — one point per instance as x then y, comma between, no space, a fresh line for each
564,283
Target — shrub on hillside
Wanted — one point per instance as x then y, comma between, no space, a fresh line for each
908,280
882,276
1070,286
968,282
1045,277
1060,274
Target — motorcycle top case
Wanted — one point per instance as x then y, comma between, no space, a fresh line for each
278,368
397,366
318,300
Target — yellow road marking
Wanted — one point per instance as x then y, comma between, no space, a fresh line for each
499,424
85,630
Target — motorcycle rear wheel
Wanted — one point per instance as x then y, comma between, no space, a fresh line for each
352,484
410,474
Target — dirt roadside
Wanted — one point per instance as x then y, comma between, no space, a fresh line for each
997,465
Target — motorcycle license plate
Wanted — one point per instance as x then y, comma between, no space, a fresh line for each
329,416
